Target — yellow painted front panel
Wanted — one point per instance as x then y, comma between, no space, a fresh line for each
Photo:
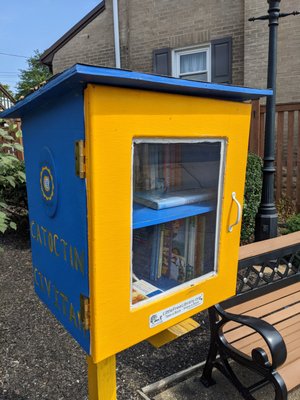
114,117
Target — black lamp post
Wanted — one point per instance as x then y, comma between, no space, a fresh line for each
267,218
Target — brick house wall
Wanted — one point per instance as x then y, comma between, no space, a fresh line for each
146,26
256,50
177,24
94,44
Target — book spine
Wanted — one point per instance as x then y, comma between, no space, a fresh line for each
186,241
200,245
141,252
160,258
155,253
192,244
167,249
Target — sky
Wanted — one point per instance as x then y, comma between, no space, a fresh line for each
28,25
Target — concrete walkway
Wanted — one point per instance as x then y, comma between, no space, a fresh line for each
187,386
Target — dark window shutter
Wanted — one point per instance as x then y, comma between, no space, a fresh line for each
162,61
221,60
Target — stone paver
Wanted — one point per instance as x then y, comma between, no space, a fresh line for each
192,389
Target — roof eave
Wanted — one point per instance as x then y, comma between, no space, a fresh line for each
78,76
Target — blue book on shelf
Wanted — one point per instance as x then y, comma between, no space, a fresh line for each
159,200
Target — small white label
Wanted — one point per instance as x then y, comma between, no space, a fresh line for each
178,309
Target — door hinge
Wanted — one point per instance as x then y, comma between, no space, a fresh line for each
85,312
80,159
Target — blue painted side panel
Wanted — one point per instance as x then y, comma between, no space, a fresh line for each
58,210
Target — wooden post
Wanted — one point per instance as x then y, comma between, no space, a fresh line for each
279,154
298,168
102,379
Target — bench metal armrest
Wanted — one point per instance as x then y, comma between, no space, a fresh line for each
270,335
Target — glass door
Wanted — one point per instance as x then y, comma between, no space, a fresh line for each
177,191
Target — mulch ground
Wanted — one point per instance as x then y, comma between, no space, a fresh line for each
38,358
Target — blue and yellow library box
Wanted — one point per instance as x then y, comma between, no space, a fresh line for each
135,188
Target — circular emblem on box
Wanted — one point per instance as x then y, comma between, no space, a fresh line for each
48,182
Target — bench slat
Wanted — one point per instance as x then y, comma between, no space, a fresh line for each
290,373
235,331
290,336
280,307
291,358
285,328
258,248
264,310
265,299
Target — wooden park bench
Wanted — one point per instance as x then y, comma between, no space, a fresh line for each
259,328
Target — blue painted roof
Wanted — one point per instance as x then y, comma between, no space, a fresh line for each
79,75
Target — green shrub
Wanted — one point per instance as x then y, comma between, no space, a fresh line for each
252,197
292,224
286,208
13,198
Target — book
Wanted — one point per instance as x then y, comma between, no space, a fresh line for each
137,296
200,242
177,268
166,249
146,288
160,258
142,248
158,200
174,249
192,241
155,253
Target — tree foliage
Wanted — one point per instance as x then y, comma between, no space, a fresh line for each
13,199
7,88
33,76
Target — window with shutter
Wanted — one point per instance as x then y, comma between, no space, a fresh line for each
192,64
162,61
209,63
221,51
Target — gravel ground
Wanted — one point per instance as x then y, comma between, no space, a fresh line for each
39,360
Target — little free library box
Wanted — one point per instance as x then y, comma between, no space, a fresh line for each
135,188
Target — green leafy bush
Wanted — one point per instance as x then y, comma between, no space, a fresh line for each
292,224
13,198
286,208
252,196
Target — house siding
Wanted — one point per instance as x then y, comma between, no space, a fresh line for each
153,25
176,24
93,45
256,50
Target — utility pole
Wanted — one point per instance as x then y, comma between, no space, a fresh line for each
267,218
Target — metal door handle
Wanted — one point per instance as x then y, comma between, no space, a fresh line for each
239,212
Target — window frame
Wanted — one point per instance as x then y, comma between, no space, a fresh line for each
177,53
